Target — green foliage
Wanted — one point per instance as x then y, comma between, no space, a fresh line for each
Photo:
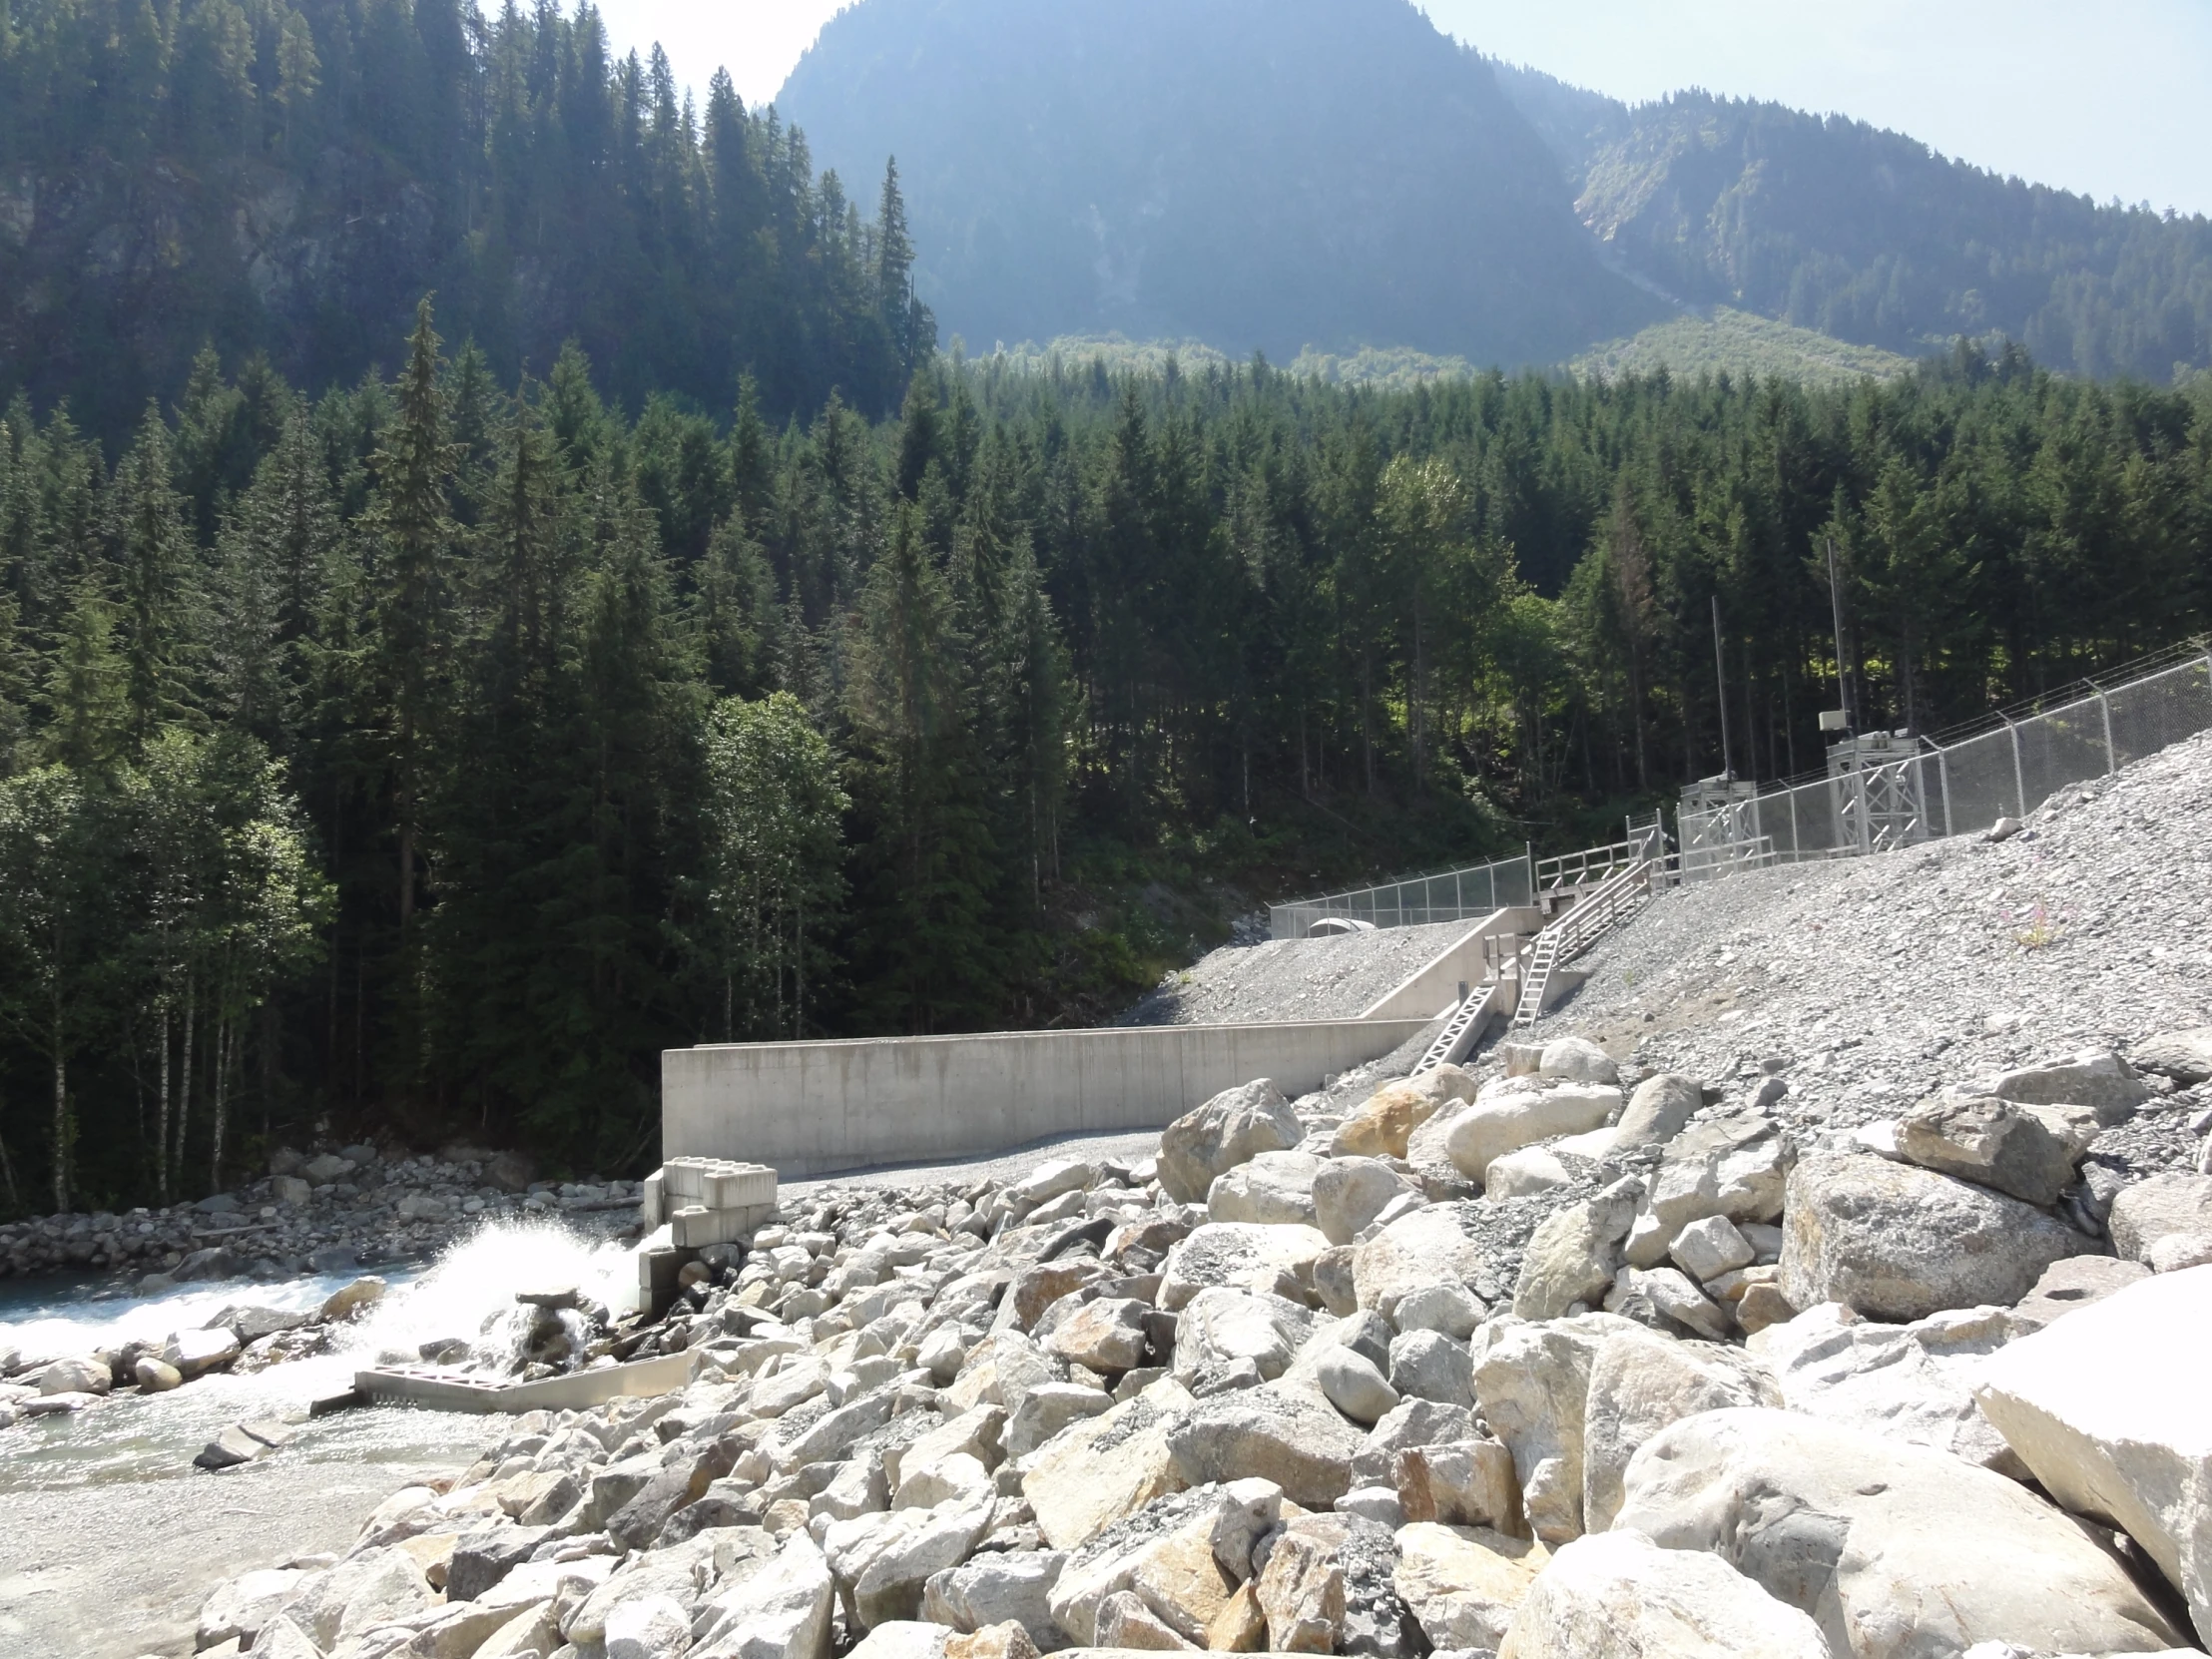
288,180
1740,344
425,757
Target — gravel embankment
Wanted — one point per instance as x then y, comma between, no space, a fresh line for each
1877,981
1281,979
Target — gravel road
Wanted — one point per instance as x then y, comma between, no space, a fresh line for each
1875,981
1276,979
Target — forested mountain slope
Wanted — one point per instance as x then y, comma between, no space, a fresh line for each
1870,236
1256,174
284,180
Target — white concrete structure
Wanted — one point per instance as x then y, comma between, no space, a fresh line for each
812,1107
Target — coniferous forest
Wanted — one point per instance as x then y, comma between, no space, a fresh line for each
422,748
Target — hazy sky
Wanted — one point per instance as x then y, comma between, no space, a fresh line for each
2109,97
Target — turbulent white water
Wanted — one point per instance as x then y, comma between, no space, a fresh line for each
467,1292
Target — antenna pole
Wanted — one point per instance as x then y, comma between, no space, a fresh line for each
1836,602
1720,678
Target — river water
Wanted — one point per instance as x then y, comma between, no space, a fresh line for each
105,1503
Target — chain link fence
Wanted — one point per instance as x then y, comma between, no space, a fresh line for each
1964,784
1452,895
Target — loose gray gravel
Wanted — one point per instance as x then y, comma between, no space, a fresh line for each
1276,979
1872,982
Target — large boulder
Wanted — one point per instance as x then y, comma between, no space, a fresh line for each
1382,1124
2027,1151
1912,1382
1278,1432
1620,1593
2095,1078
1463,1584
1659,1110
1532,1387
771,1607
1242,1254
1235,1125
1095,1472
1220,1327
1897,1242
2164,1221
1271,1188
993,1588
1440,1244
2108,1408
2185,1056
883,1561
1351,1192
2069,1285
1500,1124
1895,1551
1575,1252
1640,1382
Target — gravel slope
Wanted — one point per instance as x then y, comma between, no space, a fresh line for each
1279,979
1875,981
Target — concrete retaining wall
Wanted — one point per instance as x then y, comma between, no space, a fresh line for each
809,1108
1435,986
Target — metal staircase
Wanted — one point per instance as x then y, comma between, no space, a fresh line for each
1619,897
1463,1028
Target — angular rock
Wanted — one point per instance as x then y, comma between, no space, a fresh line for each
1640,1382
773,1607
1181,1583
1249,1256
1232,1126
1673,1302
1350,1192
229,1449
1095,1472
1707,1249
1895,1551
2107,1410
1301,1592
241,1606
1450,1310
1577,1060
1619,1594
1126,1624
1434,1367
1574,1253
1532,1385
2095,1078
1466,1483
2027,1151
1439,1245
2164,1221
1463,1584
1107,1336
1275,1433
1044,1412
1897,1242
1659,1110
2185,1056
1272,1189
2074,1284
996,1588
1529,1171
648,1627
1220,1327
1490,1128
85,1375
1732,1167
903,1639
1912,1382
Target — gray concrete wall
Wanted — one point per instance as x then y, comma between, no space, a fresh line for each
809,1108
1435,986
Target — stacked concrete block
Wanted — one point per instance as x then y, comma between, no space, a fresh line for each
691,1203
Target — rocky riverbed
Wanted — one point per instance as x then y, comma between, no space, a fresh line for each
1852,1305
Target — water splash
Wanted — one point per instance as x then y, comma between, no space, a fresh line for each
469,1293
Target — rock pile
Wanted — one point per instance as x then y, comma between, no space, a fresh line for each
1547,1359
244,1337
338,1208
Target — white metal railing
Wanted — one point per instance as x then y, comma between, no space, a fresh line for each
1448,895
